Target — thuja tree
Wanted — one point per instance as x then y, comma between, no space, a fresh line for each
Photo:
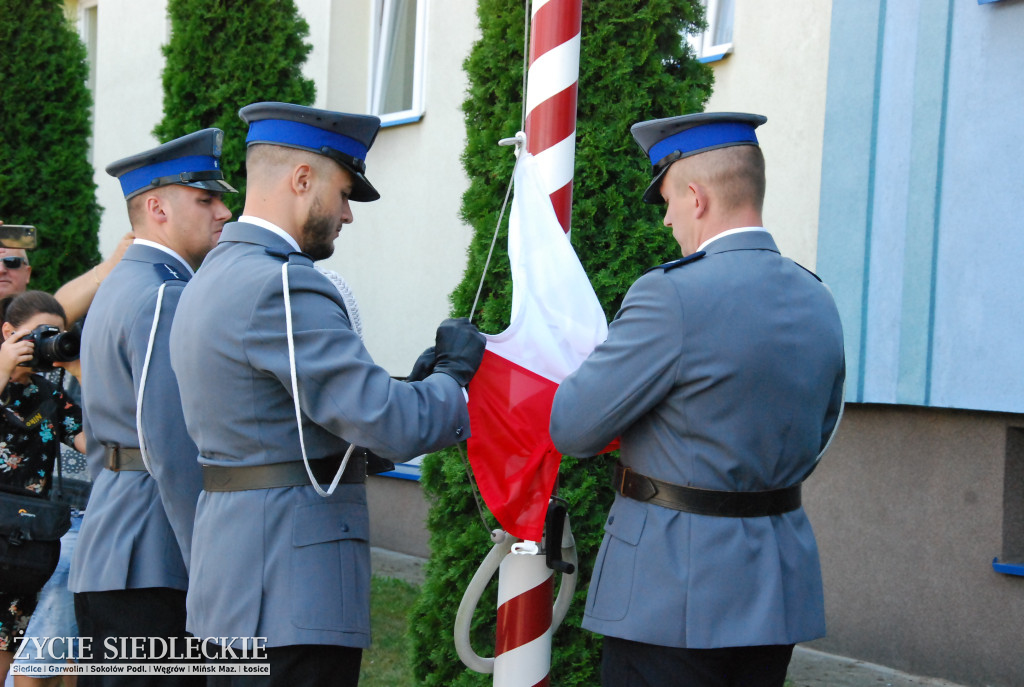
224,55
634,65
46,178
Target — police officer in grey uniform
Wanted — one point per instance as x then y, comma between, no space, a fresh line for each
275,385
129,570
723,374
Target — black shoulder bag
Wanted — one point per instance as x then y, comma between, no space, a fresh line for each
30,530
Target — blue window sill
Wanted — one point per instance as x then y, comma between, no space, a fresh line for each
719,53
1008,568
712,58
412,119
403,471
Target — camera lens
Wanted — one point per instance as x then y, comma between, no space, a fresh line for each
65,348
52,346
59,348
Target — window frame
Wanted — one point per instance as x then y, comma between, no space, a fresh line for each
380,13
702,43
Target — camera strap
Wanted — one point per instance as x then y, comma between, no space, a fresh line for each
295,395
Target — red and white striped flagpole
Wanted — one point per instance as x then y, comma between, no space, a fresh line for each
551,97
522,654
522,650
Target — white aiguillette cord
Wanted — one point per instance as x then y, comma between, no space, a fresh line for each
350,302
295,395
145,374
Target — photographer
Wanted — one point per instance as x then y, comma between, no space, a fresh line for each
35,416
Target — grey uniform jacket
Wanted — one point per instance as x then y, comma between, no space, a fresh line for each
138,527
286,563
726,373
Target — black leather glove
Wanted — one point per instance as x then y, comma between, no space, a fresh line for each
423,366
458,349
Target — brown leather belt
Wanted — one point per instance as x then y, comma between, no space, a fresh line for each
724,504
121,459
274,475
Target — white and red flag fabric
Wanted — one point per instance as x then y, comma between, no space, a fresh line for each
556,322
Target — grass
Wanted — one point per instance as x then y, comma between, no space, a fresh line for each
386,662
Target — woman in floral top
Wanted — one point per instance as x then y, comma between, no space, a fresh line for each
35,417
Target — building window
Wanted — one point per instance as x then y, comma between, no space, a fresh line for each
88,28
1011,561
716,42
396,78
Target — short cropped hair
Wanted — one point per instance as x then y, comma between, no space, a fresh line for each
136,209
266,158
734,174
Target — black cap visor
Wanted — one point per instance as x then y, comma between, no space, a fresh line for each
362,190
211,180
215,185
653,195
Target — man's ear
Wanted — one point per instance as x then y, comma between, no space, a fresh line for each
700,199
156,207
302,179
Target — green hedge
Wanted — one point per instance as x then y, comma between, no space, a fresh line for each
223,55
46,178
634,65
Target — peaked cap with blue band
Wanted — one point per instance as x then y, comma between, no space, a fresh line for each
673,138
345,138
192,160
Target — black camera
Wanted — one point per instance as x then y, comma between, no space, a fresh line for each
52,346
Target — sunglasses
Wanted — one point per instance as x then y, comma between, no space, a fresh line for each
13,263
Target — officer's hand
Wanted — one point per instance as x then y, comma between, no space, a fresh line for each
459,348
423,366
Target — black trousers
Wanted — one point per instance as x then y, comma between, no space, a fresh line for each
634,664
309,665
107,617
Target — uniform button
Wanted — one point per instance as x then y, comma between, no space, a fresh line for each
611,519
344,528
458,431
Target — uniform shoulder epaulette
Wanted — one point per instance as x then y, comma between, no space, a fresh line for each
692,257
168,273
807,270
293,257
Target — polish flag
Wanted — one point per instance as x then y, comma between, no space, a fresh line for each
556,322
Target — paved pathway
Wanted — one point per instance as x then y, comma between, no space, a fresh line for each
811,668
